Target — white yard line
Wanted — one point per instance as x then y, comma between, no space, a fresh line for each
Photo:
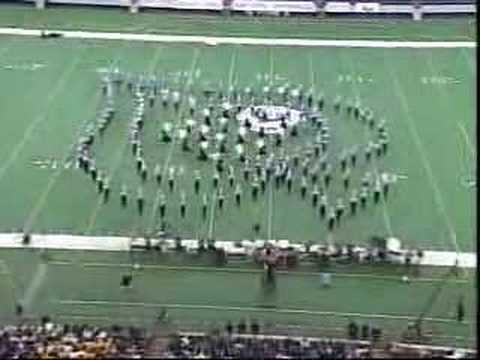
270,183
187,85
213,207
312,72
270,211
147,267
211,221
468,143
471,64
35,284
59,86
121,151
251,309
11,285
460,124
386,216
241,40
40,203
4,50
423,156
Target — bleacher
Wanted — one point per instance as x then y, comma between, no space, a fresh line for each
52,340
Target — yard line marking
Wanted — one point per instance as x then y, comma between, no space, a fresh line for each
270,182
471,65
40,203
254,271
330,238
240,40
35,284
271,72
460,124
41,117
4,50
426,164
5,271
186,86
386,216
211,222
85,317
312,71
251,309
270,211
53,179
121,151
231,75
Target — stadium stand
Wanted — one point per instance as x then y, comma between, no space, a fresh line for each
50,340
53,340
248,346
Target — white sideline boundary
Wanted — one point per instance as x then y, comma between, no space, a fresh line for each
117,243
217,40
249,309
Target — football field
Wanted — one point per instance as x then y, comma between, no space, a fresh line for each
51,91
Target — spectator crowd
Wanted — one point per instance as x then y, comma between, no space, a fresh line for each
272,347
51,341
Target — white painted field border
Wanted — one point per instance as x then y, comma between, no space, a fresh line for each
252,271
250,309
122,244
215,40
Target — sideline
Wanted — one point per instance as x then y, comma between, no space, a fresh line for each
217,40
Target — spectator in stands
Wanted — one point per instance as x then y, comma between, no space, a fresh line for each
65,341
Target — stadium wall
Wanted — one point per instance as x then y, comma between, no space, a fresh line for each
361,8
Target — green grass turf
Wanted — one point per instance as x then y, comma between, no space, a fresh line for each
235,294
425,122
115,19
